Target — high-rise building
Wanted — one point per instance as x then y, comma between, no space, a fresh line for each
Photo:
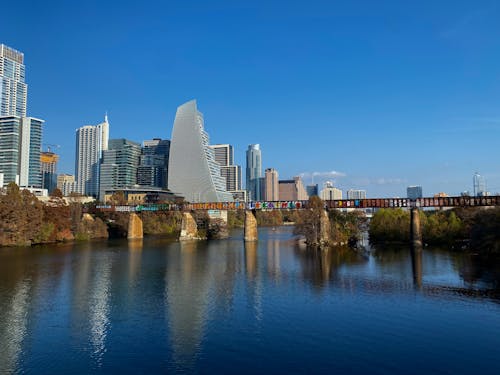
153,167
330,192
414,192
356,194
479,185
66,183
254,172
48,167
224,156
13,89
119,165
312,190
271,185
91,141
292,190
192,169
20,145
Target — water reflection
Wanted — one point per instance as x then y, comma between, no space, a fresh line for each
135,247
416,262
13,325
254,277
187,297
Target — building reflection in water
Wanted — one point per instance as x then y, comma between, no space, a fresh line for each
91,298
187,297
273,259
13,325
99,306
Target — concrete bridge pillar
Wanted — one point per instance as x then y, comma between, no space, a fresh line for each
250,226
134,227
415,230
324,229
189,227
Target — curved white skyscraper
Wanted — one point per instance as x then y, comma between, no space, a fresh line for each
192,169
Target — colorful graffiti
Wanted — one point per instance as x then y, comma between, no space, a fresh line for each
297,205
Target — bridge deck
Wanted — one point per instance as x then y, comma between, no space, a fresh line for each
439,202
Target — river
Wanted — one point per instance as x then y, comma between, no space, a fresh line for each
160,306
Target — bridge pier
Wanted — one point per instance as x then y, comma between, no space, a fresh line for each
135,230
189,228
415,230
324,229
250,226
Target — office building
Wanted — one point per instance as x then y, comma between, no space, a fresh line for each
192,169
292,190
20,145
312,190
153,166
330,192
91,141
119,165
224,156
66,183
13,88
479,185
254,172
271,185
356,194
414,192
48,167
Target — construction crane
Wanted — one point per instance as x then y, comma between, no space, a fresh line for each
49,145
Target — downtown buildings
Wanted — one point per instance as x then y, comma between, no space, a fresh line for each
192,170
20,136
91,141
254,179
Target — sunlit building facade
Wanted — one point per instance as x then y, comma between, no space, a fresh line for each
91,141
13,88
192,170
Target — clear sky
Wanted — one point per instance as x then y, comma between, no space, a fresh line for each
385,94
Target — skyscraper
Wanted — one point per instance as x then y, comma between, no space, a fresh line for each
48,167
20,144
224,156
479,185
312,190
254,172
292,189
330,192
13,89
271,185
414,192
153,167
119,165
356,194
192,169
91,141
66,183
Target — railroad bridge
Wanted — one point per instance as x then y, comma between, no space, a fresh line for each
219,210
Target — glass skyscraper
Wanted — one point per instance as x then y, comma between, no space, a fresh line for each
119,165
254,173
192,169
20,145
13,89
153,167
91,141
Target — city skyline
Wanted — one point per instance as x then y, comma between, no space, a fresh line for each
401,104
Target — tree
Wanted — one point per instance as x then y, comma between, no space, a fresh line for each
310,222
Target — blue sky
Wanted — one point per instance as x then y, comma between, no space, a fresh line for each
384,93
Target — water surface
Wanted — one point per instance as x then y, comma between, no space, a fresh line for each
224,307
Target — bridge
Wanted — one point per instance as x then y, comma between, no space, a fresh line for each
189,226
